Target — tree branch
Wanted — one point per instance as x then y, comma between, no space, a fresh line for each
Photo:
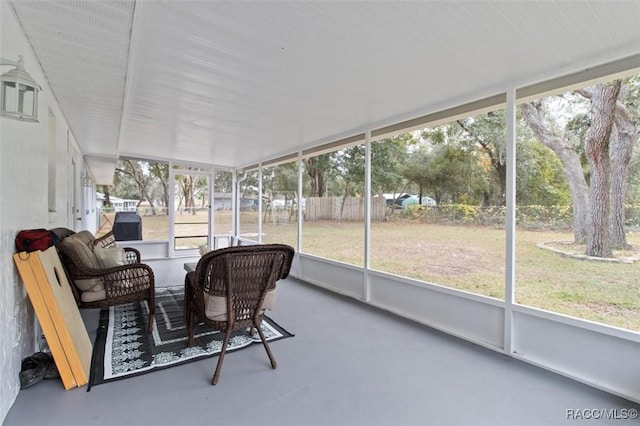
586,92
483,144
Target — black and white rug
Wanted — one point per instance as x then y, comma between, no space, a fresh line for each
123,348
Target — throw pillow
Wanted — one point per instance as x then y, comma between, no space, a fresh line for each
204,249
108,257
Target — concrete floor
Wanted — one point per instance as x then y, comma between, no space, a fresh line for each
349,364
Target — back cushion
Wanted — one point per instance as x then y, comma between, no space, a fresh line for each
86,237
79,243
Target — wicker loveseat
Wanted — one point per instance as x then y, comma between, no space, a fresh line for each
103,275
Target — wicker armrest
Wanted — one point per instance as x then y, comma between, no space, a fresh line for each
131,255
127,279
107,240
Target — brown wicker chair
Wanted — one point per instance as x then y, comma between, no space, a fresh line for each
231,288
95,285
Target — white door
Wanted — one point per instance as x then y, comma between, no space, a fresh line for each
191,216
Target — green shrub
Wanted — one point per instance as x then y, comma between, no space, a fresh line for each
531,217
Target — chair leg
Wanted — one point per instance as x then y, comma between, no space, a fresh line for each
150,326
189,324
152,311
216,375
266,347
187,303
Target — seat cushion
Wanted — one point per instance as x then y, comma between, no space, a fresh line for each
215,307
89,284
92,296
92,289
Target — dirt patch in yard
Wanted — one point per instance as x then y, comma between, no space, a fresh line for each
443,259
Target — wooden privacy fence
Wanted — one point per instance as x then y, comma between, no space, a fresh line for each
339,208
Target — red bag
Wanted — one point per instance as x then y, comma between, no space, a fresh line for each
35,239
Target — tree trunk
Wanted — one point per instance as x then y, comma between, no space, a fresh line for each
316,177
187,184
621,143
603,107
486,199
621,149
107,196
165,188
146,196
501,168
344,199
536,120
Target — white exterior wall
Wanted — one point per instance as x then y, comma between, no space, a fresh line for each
24,176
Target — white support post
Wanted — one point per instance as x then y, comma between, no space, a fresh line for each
300,208
367,214
235,203
172,211
213,243
510,261
260,203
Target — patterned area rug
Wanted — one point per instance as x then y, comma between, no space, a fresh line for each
124,349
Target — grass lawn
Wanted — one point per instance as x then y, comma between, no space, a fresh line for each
467,258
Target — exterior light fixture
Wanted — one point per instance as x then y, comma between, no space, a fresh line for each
18,92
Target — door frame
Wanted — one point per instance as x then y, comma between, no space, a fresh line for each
210,175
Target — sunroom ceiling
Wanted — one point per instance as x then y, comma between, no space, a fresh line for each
233,83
